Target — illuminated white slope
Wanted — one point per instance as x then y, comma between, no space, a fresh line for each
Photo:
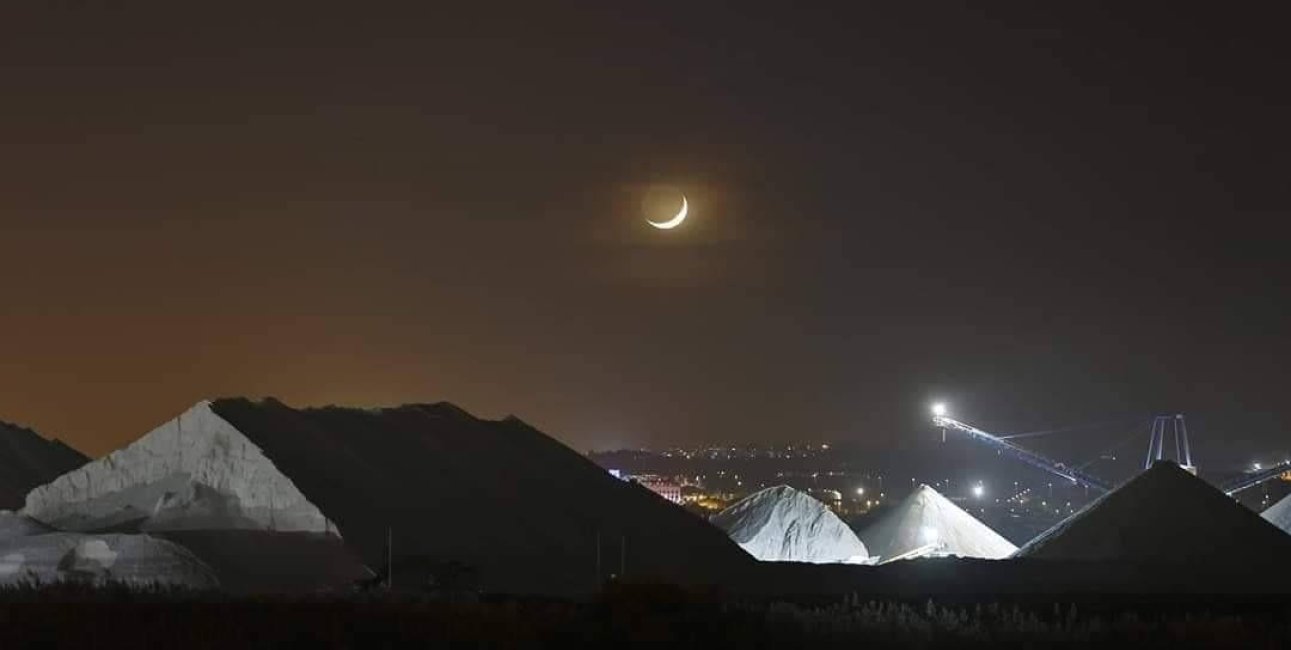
928,524
781,524
1279,514
195,472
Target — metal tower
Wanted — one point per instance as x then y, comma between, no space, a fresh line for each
1156,441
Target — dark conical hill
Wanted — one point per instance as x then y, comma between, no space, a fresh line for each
1165,515
499,496
28,460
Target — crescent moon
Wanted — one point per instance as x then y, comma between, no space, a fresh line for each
675,221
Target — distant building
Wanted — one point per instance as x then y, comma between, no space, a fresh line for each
664,487
667,487
831,498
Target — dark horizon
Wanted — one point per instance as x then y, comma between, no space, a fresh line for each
1044,218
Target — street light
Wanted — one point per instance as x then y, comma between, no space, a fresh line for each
939,409
978,490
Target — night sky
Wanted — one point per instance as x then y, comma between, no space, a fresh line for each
1042,218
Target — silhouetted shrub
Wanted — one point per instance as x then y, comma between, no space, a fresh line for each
624,616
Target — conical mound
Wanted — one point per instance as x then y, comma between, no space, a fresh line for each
927,523
1279,514
427,488
1162,516
781,524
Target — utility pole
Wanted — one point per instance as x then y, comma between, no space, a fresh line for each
598,557
389,558
623,557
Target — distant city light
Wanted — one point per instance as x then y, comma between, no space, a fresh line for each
939,409
860,491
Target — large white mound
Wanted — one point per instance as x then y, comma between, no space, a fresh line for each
262,493
1279,514
194,472
136,560
781,524
928,524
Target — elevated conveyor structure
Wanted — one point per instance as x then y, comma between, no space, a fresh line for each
1164,427
1031,458
1255,478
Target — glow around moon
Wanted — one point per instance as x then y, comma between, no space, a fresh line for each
675,221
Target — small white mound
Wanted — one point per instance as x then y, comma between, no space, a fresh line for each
928,524
781,524
1279,514
137,560
91,556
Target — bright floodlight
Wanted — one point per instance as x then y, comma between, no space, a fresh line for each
939,409
929,534
860,491
978,490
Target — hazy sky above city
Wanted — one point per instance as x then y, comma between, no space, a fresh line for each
1042,218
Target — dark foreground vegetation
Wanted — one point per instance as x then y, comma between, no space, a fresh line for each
624,617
